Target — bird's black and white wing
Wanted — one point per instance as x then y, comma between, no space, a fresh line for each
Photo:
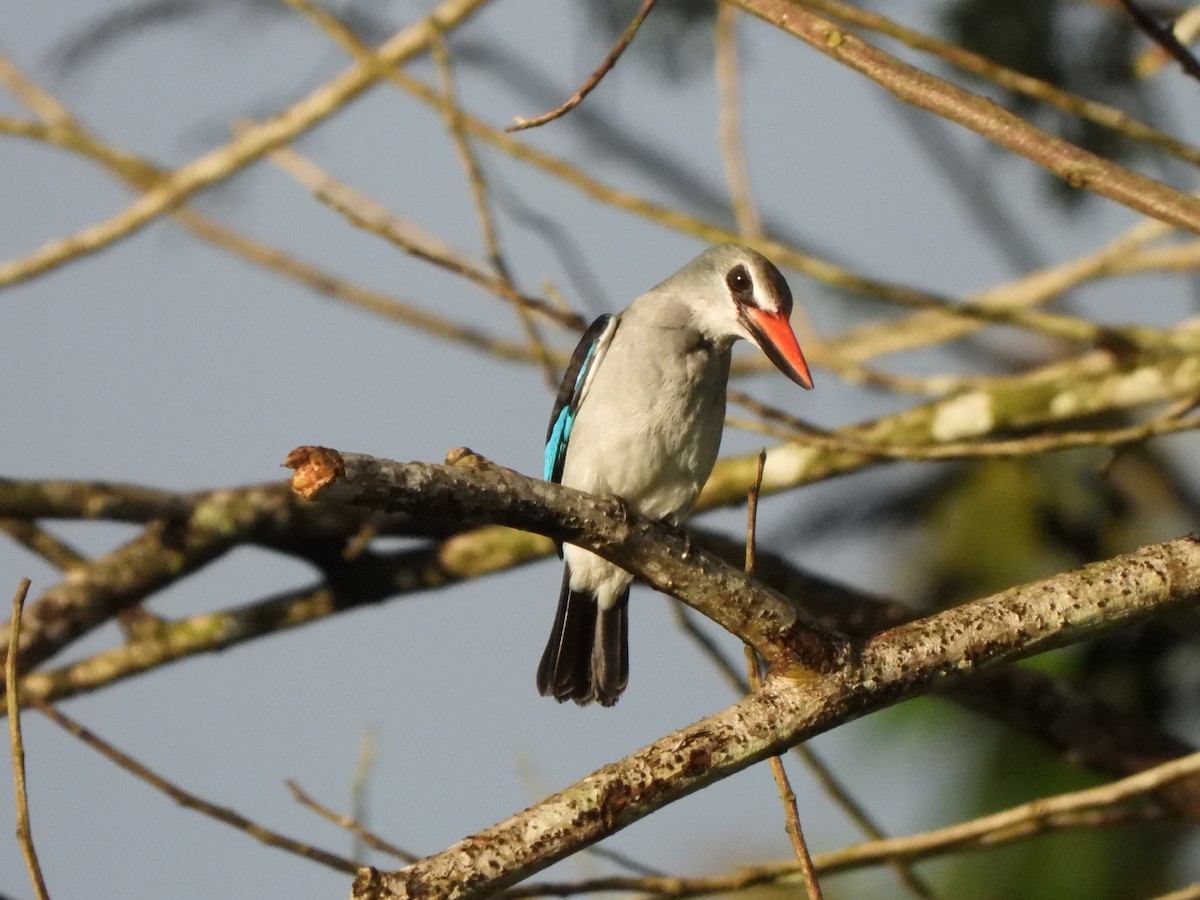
571,393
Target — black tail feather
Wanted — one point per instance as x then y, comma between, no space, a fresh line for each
587,656
610,653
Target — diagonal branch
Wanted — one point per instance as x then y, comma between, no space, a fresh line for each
1163,36
478,492
223,161
1111,117
594,79
1074,165
795,701
165,551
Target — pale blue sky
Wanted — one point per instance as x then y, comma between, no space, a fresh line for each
165,362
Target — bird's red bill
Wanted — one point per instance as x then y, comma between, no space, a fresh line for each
778,341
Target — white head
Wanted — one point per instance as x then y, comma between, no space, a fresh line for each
734,292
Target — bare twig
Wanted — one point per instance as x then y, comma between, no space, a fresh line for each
360,784
752,511
834,789
452,113
1026,819
1164,37
1074,165
917,330
729,124
222,162
594,79
786,795
363,212
191,801
820,771
41,102
1111,117
70,135
797,429
91,596
1186,28
356,828
11,675
1020,823
50,548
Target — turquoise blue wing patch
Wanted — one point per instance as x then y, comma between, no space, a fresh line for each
584,362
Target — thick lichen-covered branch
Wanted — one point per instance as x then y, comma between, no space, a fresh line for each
477,492
792,706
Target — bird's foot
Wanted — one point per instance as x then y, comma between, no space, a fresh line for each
680,532
621,508
687,543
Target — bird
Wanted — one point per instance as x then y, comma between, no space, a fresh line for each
639,415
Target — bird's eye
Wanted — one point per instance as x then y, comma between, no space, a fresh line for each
740,283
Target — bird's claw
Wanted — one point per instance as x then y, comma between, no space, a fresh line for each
621,508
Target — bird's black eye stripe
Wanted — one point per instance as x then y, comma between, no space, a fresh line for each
741,285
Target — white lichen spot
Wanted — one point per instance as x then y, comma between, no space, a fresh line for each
787,465
1139,386
1065,404
966,416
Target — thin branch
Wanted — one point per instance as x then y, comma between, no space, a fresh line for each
360,832
1031,289
1074,165
1024,820
752,513
360,785
116,581
376,302
588,86
70,135
1006,449
1186,28
816,766
1191,892
363,212
33,537
220,163
729,124
1093,383
814,267
787,796
367,579
1164,37
1110,117
188,800
452,113
42,103
24,830
834,789
857,856
90,500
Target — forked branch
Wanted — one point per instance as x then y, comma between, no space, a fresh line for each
823,685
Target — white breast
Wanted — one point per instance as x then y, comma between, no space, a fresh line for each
651,426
